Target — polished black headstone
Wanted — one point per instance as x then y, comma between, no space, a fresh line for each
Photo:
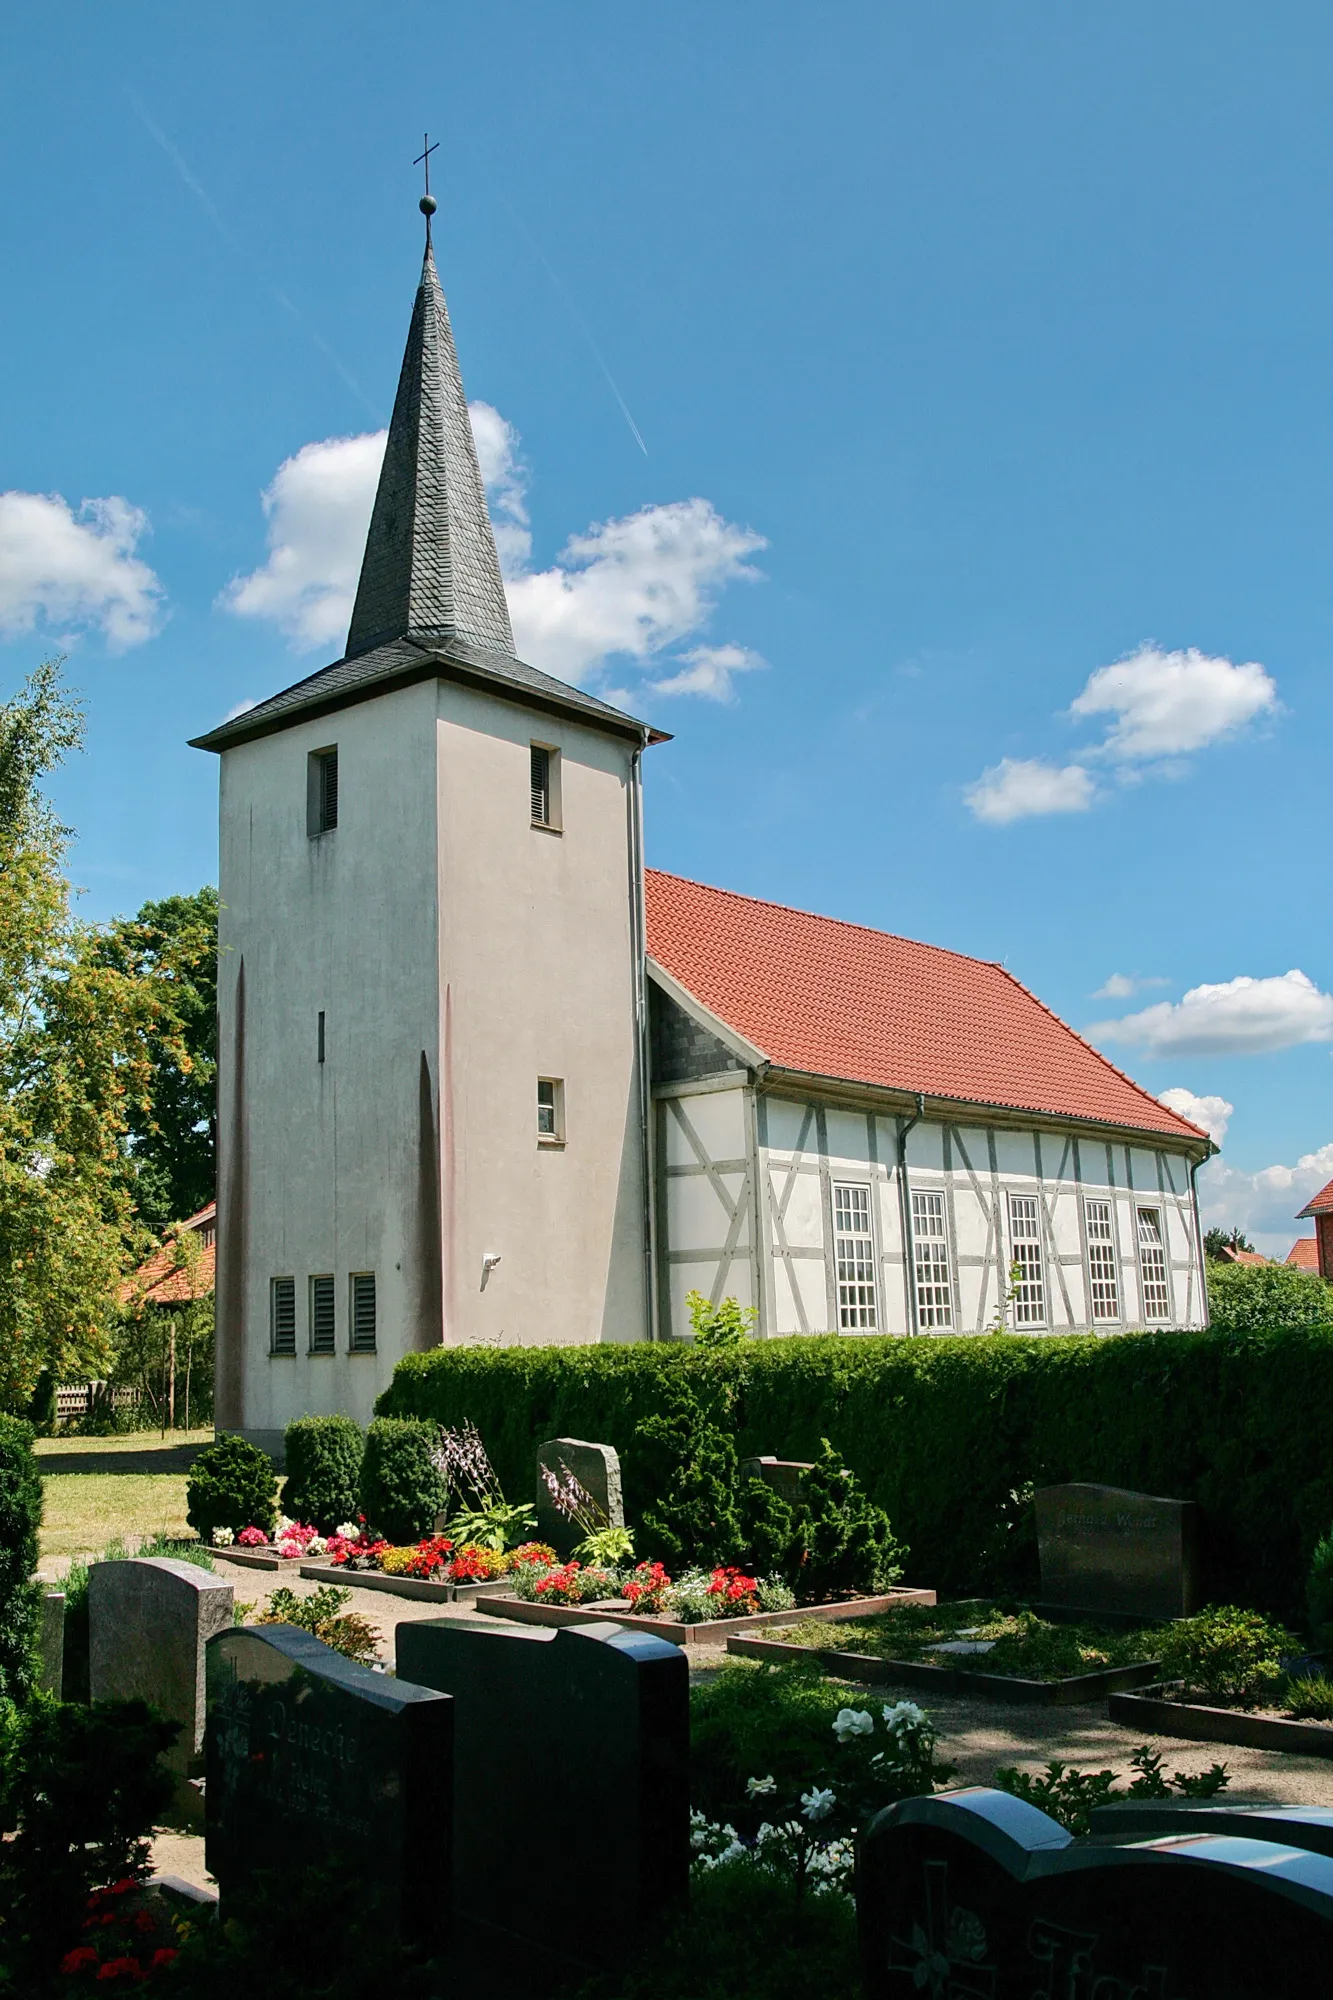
571,1775
314,1760
1104,1549
975,1895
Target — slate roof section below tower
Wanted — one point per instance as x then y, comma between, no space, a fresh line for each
430,569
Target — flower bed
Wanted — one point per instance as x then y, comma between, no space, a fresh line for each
997,1650
1230,1675
710,1631
1160,1707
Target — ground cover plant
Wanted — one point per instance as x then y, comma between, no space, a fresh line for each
323,1614
1021,1643
1227,1657
1071,1796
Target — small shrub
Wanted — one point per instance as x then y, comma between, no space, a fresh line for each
20,1520
1226,1655
231,1485
688,1462
1319,1590
849,1543
322,1615
1310,1700
323,1470
1071,1796
723,1325
401,1489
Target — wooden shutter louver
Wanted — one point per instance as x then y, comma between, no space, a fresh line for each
363,1312
284,1316
323,1321
541,786
328,791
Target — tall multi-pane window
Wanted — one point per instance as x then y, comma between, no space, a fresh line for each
323,1317
362,1303
1103,1277
854,1252
934,1299
1152,1265
1029,1283
541,786
282,1316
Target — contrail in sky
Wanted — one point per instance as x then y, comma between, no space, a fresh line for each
229,236
580,321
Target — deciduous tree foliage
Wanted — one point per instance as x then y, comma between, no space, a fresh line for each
83,1020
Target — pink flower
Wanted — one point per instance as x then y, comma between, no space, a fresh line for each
252,1538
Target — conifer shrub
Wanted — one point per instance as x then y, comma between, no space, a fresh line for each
401,1489
232,1484
1319,1590
849,1544
20,1520
687,1461
323,1471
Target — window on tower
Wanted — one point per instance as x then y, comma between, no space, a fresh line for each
321,794
550,1111
545,776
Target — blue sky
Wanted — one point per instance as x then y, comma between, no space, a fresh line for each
1005,331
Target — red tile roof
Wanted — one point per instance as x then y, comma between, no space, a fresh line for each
1319,1204
1304,1254
163,1281
837,1000
1230,1256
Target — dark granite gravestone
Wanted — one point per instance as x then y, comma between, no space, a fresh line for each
784,1475
312,1759
597,1469
571,1779
1105,1550
975,1895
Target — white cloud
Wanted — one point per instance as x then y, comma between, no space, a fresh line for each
1264,1205
318,508
1022,788
76,569
1239,1017
635,588
1212,1113
1168,704
708,670
1124,985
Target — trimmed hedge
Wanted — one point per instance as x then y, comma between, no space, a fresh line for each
400,1490
946,1433
323,1458
20,1596
232,1484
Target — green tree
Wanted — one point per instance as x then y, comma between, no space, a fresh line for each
79,1032
171,1140
1217,1240
1267,1295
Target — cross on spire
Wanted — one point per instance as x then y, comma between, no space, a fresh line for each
427,203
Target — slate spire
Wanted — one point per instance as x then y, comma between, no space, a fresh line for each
430,570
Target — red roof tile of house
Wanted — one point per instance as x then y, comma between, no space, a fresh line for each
1304,1254
834,999
1319,1204
163,1281
1233,1256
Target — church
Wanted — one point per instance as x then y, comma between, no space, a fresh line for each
484,1076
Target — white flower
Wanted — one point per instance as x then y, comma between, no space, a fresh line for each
316,1546
349,1531
904,1715
854,1722
284,1522
817,1804
223,1538
757,1787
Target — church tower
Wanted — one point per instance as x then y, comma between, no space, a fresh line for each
433,1093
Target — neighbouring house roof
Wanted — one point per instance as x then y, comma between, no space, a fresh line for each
836,1000
1304,1254
1318,1204
1229,1255
161,1281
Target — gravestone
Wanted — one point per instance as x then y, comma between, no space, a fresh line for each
51,1672
597,1469
149,1620
313,1760
1106,1550
571,1771
784,1475
977,1895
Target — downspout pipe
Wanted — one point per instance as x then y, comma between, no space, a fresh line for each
639,949
1202,1161
905,1198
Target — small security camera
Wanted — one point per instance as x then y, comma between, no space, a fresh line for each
488,1264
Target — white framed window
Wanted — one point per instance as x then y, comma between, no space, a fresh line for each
550,1111
282,1315
1103,1272
1029,1279
930,1243
854,1254
361,1304
1152,1265
323,1316
321,791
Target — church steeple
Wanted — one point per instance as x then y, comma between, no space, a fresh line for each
430,570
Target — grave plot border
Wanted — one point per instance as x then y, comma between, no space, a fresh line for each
399,1586
1153,1710
1067,1693
250,1558
714,1632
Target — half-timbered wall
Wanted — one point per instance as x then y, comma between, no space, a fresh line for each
758,1192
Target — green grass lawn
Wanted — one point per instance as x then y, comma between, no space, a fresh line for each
85,1510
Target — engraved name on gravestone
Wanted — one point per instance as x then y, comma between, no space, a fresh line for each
313,1760
571,1770
149,1621
597,1469
784,1475
977,1895
1105,1549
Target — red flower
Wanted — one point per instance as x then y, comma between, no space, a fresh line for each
74,1961
119,1968
145,1921
163,1957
